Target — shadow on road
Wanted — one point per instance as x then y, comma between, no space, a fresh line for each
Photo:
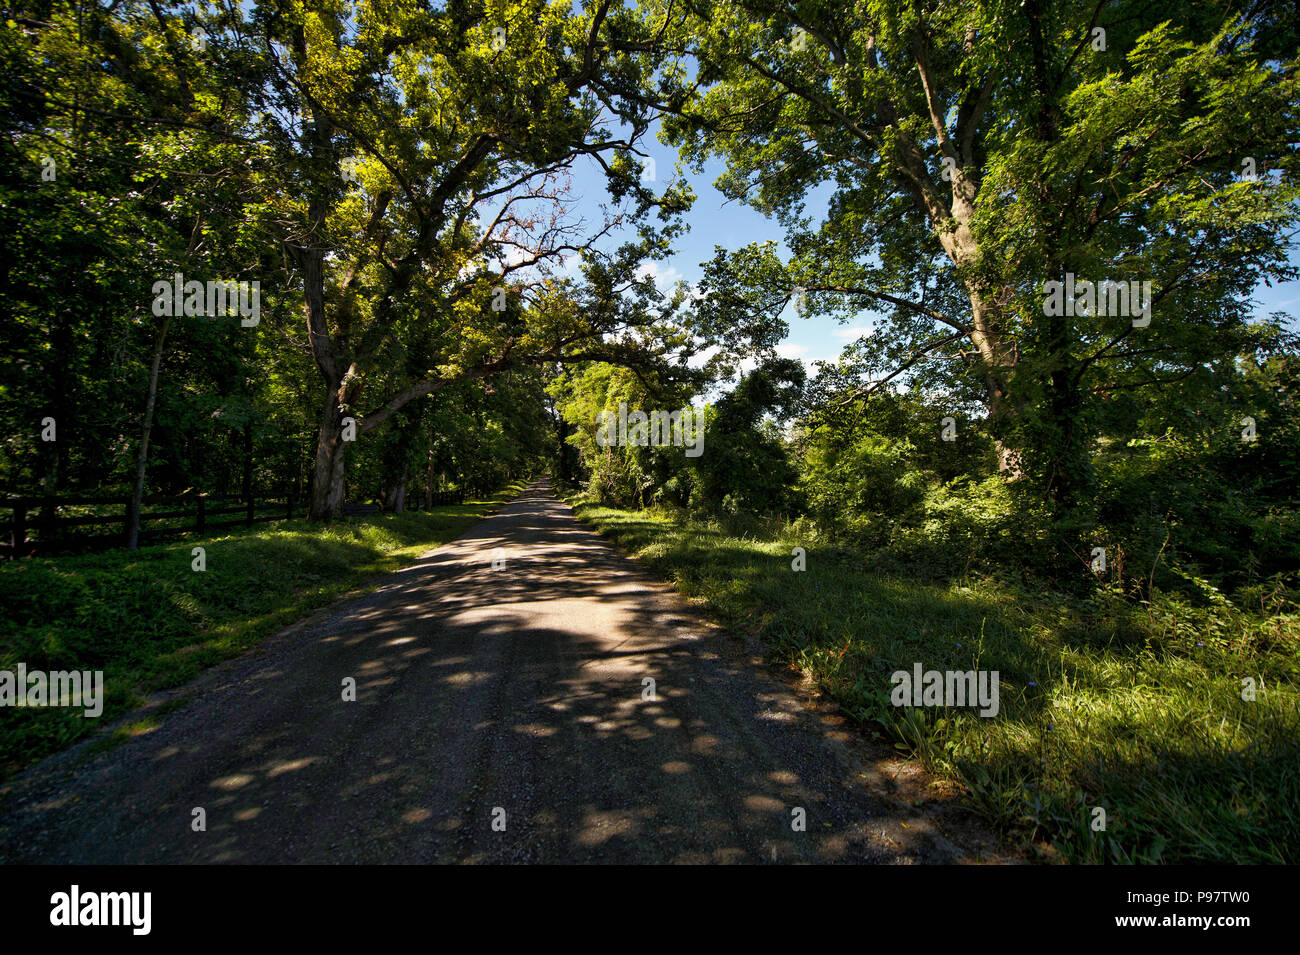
487,696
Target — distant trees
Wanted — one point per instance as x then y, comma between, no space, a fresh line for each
746,468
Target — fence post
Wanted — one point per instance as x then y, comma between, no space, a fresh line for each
49,519
248,514
18,544
288,511
200,518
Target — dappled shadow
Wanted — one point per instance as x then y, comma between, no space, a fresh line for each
512,693
1098,707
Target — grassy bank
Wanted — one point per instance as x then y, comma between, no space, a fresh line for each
150,621
1104,703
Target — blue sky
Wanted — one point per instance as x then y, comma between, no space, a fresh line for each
714,221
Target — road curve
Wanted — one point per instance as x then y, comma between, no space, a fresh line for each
501,715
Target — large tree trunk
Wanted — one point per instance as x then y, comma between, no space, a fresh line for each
1061,445
398,456
1068,473
326,501
60,369
998,358
1002,421
395,495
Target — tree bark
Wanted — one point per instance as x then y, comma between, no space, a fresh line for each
428,484
395,496
326,500
246,486
142,460
325,497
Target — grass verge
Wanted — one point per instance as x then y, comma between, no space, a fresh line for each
1135,710
149,621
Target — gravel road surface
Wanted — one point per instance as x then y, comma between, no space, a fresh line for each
502,714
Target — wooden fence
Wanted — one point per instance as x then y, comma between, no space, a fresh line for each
57,533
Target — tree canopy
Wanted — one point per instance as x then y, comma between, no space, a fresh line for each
973,154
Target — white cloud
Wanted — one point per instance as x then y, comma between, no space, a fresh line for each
791,350
851,333
663,276
747,365
699,359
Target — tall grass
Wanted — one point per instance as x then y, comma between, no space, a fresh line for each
1105,703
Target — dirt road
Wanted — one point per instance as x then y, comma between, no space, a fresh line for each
501,715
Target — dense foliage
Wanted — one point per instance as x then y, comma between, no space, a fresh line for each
390,180
394,180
